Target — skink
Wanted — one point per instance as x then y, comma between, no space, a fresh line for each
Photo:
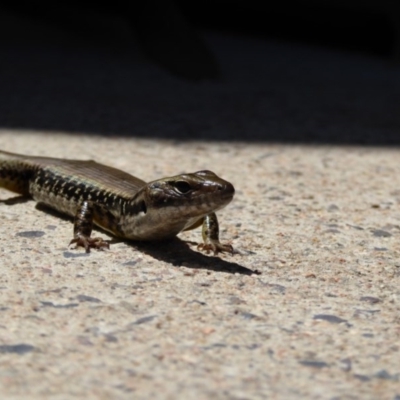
119,203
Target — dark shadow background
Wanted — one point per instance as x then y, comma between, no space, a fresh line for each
298,72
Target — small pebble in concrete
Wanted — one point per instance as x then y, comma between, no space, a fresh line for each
21,348
31,234
381,233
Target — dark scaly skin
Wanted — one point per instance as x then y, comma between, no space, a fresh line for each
120,203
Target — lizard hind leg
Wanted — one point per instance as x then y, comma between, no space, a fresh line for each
83,225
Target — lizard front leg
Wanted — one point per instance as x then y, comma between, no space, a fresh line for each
83,225
210,234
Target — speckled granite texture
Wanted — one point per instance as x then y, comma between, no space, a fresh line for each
321,223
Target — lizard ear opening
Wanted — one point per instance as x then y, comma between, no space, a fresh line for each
143,207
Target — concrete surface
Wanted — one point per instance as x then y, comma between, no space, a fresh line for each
321,223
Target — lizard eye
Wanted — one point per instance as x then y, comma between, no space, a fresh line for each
182,186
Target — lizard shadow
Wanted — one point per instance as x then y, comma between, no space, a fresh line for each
19,199
178,253
174,251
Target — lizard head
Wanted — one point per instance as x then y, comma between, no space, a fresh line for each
199,193
164,207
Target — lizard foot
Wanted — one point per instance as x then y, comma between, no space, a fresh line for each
88,243
216,247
